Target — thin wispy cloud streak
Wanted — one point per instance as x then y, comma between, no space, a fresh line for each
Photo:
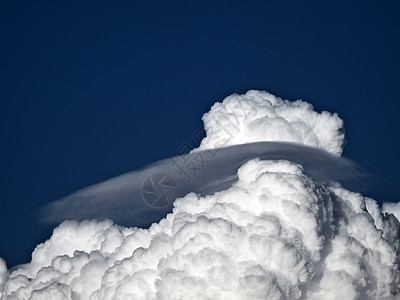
205,172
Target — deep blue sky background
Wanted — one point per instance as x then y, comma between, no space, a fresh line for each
92,89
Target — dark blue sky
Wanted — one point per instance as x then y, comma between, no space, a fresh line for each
91,89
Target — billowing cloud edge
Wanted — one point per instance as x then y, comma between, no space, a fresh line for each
260,116
392,208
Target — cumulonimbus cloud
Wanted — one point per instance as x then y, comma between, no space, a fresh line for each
284,227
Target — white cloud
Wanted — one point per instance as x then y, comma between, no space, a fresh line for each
277,233
121,200
260,116
393,208
3,273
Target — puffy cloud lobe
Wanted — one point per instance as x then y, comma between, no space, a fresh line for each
3,273
260,116
275,234
393,208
